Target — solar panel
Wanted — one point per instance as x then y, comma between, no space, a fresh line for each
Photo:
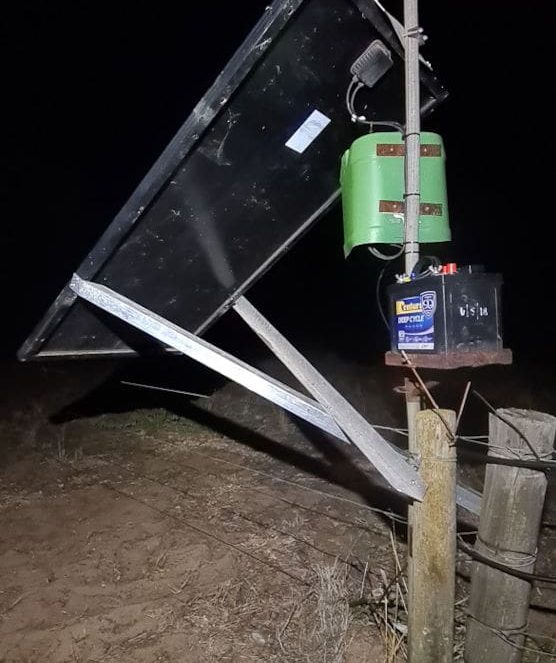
251,169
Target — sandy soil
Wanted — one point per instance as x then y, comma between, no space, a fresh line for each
119,545
145,536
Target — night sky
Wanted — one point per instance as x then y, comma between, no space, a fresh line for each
93,93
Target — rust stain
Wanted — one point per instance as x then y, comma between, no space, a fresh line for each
451,359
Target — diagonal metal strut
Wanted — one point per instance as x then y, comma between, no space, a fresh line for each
207,354
391,464
228,365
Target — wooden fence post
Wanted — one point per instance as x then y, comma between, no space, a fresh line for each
432,542
511,510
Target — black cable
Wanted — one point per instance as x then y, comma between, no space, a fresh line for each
424,264
496,460
378,289
522,575
378,298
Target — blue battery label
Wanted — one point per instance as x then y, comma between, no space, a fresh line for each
414,321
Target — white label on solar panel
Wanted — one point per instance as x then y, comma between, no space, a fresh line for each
308,131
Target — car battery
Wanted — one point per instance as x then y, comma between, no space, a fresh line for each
447,313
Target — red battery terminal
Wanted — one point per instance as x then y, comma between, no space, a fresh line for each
449,268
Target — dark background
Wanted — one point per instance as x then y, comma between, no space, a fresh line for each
93,92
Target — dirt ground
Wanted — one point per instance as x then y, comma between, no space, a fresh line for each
143,536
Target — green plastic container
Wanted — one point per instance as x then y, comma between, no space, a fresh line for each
372,181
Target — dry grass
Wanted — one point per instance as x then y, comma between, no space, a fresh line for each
316,629
332,614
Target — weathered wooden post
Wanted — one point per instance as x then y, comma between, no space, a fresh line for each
432,542
511,510
412,407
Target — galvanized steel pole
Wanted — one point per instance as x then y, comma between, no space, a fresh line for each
412,134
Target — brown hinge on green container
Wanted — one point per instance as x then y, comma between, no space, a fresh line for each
398,207
398,150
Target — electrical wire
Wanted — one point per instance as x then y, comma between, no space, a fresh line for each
379,300
349,107
375,252
422,275
425,266
385,256
352,90
355,89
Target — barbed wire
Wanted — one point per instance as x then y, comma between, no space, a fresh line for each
506,636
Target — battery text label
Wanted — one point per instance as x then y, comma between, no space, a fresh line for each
408,305
475,311
411,318
414,321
